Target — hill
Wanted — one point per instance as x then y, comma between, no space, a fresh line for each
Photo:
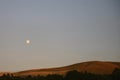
97,67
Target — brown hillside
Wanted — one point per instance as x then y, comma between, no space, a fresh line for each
96,67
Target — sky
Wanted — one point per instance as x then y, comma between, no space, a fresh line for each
61,32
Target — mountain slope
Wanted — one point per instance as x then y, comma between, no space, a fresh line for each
96,67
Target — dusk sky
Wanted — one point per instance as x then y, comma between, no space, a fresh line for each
61,32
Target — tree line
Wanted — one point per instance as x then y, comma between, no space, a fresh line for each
71,75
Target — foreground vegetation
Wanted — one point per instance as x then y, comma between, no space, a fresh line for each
71,75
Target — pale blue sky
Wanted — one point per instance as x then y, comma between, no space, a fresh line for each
62,32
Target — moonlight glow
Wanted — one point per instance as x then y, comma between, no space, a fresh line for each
28,41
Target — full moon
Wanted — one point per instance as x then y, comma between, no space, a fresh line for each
27,41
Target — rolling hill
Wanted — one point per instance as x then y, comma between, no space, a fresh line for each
97,67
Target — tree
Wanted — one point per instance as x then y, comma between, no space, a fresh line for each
74,75
116,74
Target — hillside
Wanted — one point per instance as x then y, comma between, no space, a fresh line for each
97,67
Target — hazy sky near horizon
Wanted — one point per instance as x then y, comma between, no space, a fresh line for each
61,32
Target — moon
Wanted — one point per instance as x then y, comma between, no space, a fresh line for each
27,41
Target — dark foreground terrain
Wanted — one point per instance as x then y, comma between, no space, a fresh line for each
71,75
